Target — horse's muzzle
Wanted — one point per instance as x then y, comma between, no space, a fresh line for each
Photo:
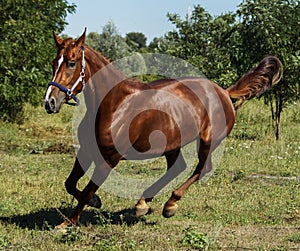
51,106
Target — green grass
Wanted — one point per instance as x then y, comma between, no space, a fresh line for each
251,202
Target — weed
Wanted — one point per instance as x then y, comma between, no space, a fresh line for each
101,220
106,244
72,234
196,240
4,242
130,244
294,238
239,174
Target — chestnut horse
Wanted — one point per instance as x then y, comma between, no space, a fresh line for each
125,118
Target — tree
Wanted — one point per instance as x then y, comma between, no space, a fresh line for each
224,47
272,27
156,44
110,43
136,40
26,47
204,41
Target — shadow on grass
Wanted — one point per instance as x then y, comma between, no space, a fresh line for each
244,136
48,219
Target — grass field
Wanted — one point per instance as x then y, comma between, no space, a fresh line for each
251,202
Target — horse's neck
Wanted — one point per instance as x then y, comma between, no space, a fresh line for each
103,77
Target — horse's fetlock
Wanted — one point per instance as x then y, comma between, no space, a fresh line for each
176,195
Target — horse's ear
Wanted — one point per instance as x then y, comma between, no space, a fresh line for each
80,41
57,39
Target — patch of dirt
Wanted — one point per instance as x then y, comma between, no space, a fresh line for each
253,237
60,148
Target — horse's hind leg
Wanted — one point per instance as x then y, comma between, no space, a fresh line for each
204,166
175,165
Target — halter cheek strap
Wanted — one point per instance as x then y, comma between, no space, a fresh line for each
68,92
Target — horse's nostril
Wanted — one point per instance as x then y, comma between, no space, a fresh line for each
52,103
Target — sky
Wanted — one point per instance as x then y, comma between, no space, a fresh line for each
148,17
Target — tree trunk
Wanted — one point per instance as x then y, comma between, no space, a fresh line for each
276,113
277,126
279,102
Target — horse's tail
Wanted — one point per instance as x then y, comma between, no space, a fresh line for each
258,80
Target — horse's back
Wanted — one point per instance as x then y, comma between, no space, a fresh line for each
211,103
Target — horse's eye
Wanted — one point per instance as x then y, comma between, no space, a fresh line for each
71,64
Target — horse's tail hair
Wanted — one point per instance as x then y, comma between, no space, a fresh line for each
258,80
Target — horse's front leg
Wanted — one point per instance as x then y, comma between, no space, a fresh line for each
88,196
81,165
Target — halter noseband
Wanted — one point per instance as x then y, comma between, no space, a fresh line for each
69,92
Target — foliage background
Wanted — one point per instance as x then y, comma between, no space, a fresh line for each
223,47
26,47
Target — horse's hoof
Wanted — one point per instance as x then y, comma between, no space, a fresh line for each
141,211
63,227
169,211
95,202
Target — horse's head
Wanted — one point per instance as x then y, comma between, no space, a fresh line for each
68,73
